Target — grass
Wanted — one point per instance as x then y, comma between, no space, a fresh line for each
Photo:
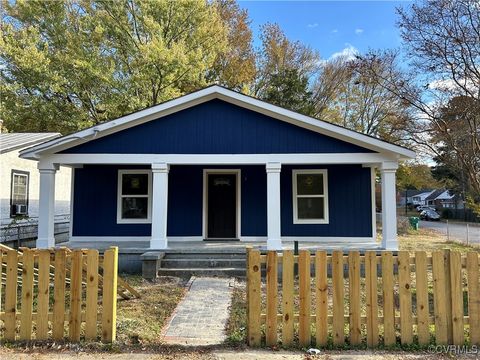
421,240
140,321
430,240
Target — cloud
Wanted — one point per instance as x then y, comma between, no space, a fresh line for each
348,53
311,26
334,31
358,31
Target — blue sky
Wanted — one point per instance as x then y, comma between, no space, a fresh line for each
331,26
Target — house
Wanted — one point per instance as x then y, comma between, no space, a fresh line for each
406,196
219,165
419,199
444,199
19,188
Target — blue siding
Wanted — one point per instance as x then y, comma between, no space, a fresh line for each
216,127
349,200
95,202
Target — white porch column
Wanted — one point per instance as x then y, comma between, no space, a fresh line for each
46,206
159,206
389,205
274,240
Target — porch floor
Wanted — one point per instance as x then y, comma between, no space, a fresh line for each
219,246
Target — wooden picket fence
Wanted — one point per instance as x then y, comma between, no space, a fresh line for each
372,298
42,291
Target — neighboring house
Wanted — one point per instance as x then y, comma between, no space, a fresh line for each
447,200
420,199
19,187
406,196
430,200
219,165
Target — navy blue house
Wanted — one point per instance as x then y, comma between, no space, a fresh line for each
219,165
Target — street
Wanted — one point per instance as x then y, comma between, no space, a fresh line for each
455,231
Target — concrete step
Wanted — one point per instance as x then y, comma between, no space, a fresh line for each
188,272
202,263
205,255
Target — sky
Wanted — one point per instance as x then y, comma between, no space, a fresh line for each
331,27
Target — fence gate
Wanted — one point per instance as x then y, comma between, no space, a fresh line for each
58,293
373,298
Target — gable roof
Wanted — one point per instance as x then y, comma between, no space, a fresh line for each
434,195
207,94
14,141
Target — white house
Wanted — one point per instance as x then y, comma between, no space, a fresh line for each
20,184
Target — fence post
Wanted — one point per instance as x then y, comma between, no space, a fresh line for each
304,331
448,297
321,321
287,297
338,298
473,297
404,283
253,297
371,282
272,298
43,294
109,312
11,295
456,291
59,294
27,295
439,298
92,295
467,235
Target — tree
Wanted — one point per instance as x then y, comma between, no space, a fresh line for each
289,89
347,92
65,65
278,54
442,40
415,176
235,67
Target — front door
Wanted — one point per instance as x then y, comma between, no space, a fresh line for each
222,206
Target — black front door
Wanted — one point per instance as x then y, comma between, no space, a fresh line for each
222,206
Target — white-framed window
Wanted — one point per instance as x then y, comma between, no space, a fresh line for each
134,197
19,193
310,196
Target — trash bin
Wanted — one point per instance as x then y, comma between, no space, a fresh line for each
414,222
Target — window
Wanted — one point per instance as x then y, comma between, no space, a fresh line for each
310,200
19,193
134,196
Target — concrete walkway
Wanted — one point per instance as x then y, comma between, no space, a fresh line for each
200,318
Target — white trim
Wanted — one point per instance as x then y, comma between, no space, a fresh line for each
201,96
217,159
373,177
72,196
296,172
245,239
206,172
120,220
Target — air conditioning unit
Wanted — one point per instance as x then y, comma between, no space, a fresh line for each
19,209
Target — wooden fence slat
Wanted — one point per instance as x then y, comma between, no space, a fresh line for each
272,299
423,329
448,295
354,297
371,282
75,296
405,295
388,300
321,297
253,297
43,294
338,298
109,310
91,308
304,331
473,297
27,296
287,297
11,295
1,276
59,294
439,298
457,297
